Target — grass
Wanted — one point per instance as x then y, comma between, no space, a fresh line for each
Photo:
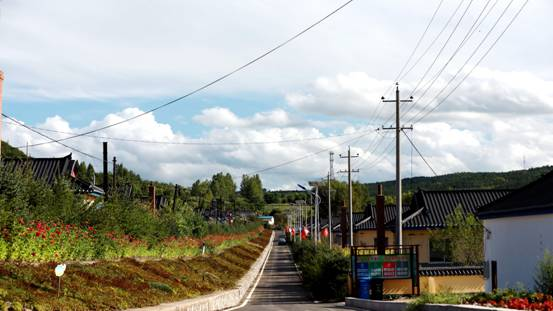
127,283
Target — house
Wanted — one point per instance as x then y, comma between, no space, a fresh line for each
427,212
50,169
519,229
270,220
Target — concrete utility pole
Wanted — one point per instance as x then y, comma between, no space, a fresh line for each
398,129
317,230
350,195
330,176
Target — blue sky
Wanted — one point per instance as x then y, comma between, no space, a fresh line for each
73,66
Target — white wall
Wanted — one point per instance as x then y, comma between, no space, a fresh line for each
517,243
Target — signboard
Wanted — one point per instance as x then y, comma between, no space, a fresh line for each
400,262
387,266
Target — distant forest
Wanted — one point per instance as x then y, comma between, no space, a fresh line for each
490,180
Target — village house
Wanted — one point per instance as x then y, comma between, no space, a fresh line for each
50,169
519,229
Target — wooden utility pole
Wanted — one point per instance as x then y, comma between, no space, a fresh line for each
330,176
105,172
350,191
398,129
114,177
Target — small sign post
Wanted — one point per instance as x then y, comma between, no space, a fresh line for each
60,269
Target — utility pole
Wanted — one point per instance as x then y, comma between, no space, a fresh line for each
317,232
350,196
398,129
330,176
105,167
113,184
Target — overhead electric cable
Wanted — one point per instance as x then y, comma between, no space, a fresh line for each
477,22
221,78
196,143
432,43
420,154
466,62
305,156
417,45
442,48
52,139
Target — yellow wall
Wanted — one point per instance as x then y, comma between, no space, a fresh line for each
410,237
437,284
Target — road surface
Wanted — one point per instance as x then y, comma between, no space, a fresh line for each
280,287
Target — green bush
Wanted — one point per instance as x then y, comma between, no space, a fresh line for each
544,275
324,270
442,298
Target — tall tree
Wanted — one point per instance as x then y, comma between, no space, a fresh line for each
251,188
223,187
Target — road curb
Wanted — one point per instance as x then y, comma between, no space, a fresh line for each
222,300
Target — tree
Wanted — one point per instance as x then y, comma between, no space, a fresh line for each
252,189
202,191
90,173
223,187
462,240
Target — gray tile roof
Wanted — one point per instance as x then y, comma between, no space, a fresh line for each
532,199
46,169
431,208
445,269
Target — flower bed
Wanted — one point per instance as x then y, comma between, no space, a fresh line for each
512,299
39,241
127,283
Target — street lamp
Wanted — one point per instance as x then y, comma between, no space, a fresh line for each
317,201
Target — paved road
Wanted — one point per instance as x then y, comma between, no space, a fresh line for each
280,287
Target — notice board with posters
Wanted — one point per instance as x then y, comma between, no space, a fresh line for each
395,263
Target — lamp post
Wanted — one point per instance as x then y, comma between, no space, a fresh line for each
316,203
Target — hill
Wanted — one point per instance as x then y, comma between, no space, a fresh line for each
480,180
11,152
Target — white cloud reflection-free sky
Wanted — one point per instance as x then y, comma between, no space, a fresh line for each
75,65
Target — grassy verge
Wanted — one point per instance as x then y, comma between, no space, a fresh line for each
109,285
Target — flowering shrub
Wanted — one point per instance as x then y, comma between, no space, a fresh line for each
38,242
512,299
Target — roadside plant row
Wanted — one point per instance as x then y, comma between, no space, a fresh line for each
41,223
127,283
38,241
324,270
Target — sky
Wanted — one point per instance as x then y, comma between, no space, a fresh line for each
74,66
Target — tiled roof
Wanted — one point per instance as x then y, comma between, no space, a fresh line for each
431,208
390,212
534,198
46,169
445,269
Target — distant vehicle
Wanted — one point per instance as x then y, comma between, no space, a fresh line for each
281,241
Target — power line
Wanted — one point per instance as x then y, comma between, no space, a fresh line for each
420,154
442,48
433,41
233,143
221,78
467,36
52,139
305,156
468,59
400,73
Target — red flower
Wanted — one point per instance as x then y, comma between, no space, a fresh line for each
37,233
90,228
33,254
